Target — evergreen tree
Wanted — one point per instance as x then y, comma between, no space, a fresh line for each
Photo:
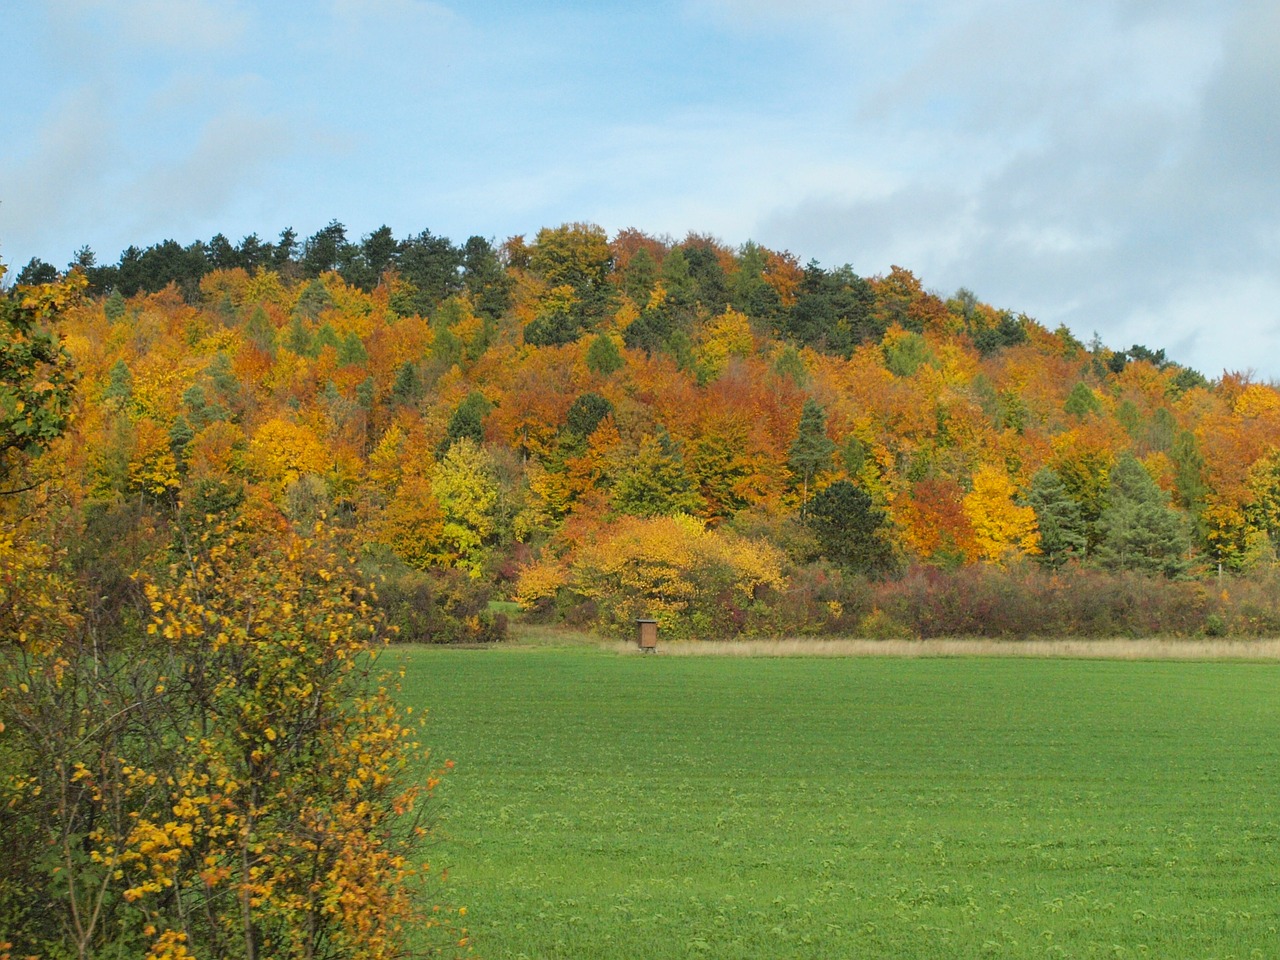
1188,475
119,384
585,415
366,393
352,350
114,306
640,276
180,434
326,336
467,421
36,272
260,331
1138,529
485,278
1058,517
408,385
848,528
298,337
313,299
1081,402
603,356
655,482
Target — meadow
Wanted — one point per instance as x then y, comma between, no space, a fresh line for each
610,805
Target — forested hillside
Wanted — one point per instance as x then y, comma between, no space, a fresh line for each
730,440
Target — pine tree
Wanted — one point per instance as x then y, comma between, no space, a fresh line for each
603,356
848,527
1062,528
1139,530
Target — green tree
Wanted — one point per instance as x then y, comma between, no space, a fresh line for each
603,356
1058,518
408,385
1188,476
585,415
313,300
467,421
655,481
433,265
113,308
849,528
833,312
639,277
119,389
1082,402
812,449
327,249
905,354
1138,529
36,374
485,278
352,351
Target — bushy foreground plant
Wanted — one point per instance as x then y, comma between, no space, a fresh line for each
227,781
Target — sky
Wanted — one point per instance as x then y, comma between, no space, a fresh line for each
1111,165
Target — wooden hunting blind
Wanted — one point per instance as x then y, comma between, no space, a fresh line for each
647,635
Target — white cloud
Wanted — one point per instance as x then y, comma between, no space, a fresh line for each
170,26
1232,325
235,153
1122,162
62,178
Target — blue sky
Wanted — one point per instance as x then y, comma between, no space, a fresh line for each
1109,164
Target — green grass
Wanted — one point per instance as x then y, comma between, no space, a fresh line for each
643,807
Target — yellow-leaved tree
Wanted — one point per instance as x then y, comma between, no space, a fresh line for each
282,451
1002,529
694,581
466,488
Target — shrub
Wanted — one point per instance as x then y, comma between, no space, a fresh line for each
437,605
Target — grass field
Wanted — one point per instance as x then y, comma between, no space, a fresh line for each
618,806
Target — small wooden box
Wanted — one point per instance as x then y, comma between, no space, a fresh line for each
647,635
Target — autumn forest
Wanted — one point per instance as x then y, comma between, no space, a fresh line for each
728,440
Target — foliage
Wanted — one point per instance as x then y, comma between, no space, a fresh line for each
811,451
603,356
1139,529
1058,520
232,780
850,529
695,582
655,482
432,604
465,486
1002,529
36,378
599,378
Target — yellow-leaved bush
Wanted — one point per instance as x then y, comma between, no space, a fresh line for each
234,781
695,581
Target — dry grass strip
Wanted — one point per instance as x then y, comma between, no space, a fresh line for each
1114,649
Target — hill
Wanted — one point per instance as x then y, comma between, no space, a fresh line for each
603,428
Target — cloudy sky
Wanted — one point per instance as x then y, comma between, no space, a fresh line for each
1109,164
